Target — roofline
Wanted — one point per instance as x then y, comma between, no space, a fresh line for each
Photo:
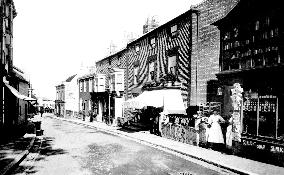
190,11
112,55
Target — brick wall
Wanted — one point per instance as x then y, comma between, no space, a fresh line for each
205,54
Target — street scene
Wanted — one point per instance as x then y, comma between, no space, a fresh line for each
68,148
142,87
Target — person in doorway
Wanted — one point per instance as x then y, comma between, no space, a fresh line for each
215,135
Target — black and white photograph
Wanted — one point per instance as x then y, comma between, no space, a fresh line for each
142,87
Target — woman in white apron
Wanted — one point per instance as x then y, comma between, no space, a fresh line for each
215,135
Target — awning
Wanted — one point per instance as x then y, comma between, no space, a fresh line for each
170,99
17,93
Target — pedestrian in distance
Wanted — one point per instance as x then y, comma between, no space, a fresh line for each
215,135
41,111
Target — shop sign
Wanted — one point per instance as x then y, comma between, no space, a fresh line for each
256,144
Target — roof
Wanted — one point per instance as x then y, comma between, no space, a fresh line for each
87,76
190,11
112,55
20,74
69,79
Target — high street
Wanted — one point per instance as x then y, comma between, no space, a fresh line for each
68,148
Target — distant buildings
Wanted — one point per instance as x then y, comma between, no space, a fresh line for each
67,97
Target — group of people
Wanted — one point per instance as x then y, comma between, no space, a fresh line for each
214,130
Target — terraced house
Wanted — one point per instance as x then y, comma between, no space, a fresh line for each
109,87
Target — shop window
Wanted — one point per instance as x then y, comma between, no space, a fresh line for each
260,115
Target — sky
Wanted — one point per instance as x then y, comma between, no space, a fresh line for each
53,38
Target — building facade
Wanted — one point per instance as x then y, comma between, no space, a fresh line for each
60,100
110,87
71,96
206,50
251,54
86,87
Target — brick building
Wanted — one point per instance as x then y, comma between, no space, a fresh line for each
86,87
206,50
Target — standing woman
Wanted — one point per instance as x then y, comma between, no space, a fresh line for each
229,133
215,136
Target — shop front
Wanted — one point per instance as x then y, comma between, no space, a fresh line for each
261,111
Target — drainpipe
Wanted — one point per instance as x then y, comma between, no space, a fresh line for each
197,45
197,57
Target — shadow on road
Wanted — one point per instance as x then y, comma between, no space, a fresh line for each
44,149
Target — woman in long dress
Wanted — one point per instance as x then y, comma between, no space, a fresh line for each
229,135
215,135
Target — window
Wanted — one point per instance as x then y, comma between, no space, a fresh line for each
257,25
119,82
135,74
267,21
260,115
81,86
95,84
90,85
85,86
90,104
137,48
112,82
153,42
172,65
101,84
118,60
151,74
174,30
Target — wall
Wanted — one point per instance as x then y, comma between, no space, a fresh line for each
72,95
206,50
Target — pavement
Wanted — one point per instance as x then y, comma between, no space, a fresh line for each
13,152
232,163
